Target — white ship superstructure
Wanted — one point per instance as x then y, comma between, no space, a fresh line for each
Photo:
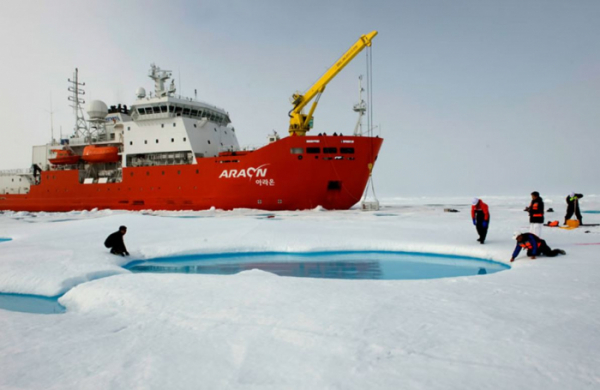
158,129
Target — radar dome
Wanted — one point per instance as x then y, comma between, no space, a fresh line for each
97,110
140,93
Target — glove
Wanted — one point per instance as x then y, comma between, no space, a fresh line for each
485,223
474,222
512,259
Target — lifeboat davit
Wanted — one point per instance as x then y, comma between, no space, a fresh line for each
63,157
100,154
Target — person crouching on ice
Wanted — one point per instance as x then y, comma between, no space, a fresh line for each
534,245
116,243
481,218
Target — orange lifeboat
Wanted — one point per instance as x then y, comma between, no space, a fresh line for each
100,154
63,157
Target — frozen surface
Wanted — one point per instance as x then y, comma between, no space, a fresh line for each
536,326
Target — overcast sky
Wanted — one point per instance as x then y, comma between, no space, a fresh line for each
472,97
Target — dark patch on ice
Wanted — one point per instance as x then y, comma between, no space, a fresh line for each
384,215
591,212
26,303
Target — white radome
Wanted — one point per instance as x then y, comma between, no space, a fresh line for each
97,109
140,93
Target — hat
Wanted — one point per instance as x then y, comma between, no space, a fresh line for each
122,227
475,201
572,194
516,234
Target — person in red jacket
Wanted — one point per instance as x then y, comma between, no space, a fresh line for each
480,214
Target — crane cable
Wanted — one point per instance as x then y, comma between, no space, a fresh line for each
370,125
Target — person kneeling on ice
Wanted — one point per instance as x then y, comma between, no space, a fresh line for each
534,245
116,243
481,218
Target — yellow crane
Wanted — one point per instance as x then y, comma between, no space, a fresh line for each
301,123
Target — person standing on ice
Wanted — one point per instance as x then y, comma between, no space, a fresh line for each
534,246
573,207
116,243
536,214
480,214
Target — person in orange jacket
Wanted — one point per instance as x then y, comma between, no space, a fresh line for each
480,214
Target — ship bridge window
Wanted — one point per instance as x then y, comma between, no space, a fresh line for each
156,109
178,110
171,108
163,109
329,150
141,111
347,150
313,150
296,150
186,111
194,113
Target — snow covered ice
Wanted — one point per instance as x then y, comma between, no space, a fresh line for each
535,326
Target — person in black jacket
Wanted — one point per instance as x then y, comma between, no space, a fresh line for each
116,243
573,207
536,214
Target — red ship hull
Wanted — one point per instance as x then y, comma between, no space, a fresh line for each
270,178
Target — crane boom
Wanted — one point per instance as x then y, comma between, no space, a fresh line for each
301,123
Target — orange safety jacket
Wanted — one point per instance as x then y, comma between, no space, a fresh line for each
536,211
480,206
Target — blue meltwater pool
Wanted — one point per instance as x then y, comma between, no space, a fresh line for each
31,303
332,265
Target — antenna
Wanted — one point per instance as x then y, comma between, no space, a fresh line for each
75,88
195,94
51,121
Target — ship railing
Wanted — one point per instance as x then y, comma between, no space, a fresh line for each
249,148
13,172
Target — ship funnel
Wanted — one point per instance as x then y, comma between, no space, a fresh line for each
97,110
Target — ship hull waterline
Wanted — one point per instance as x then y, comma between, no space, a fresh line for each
270,178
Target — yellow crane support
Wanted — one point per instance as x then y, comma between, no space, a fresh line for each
301,123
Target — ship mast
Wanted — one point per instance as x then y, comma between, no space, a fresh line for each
75,88
360,107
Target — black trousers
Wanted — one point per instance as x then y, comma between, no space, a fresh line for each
117,250
571,210
546,251
482,231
